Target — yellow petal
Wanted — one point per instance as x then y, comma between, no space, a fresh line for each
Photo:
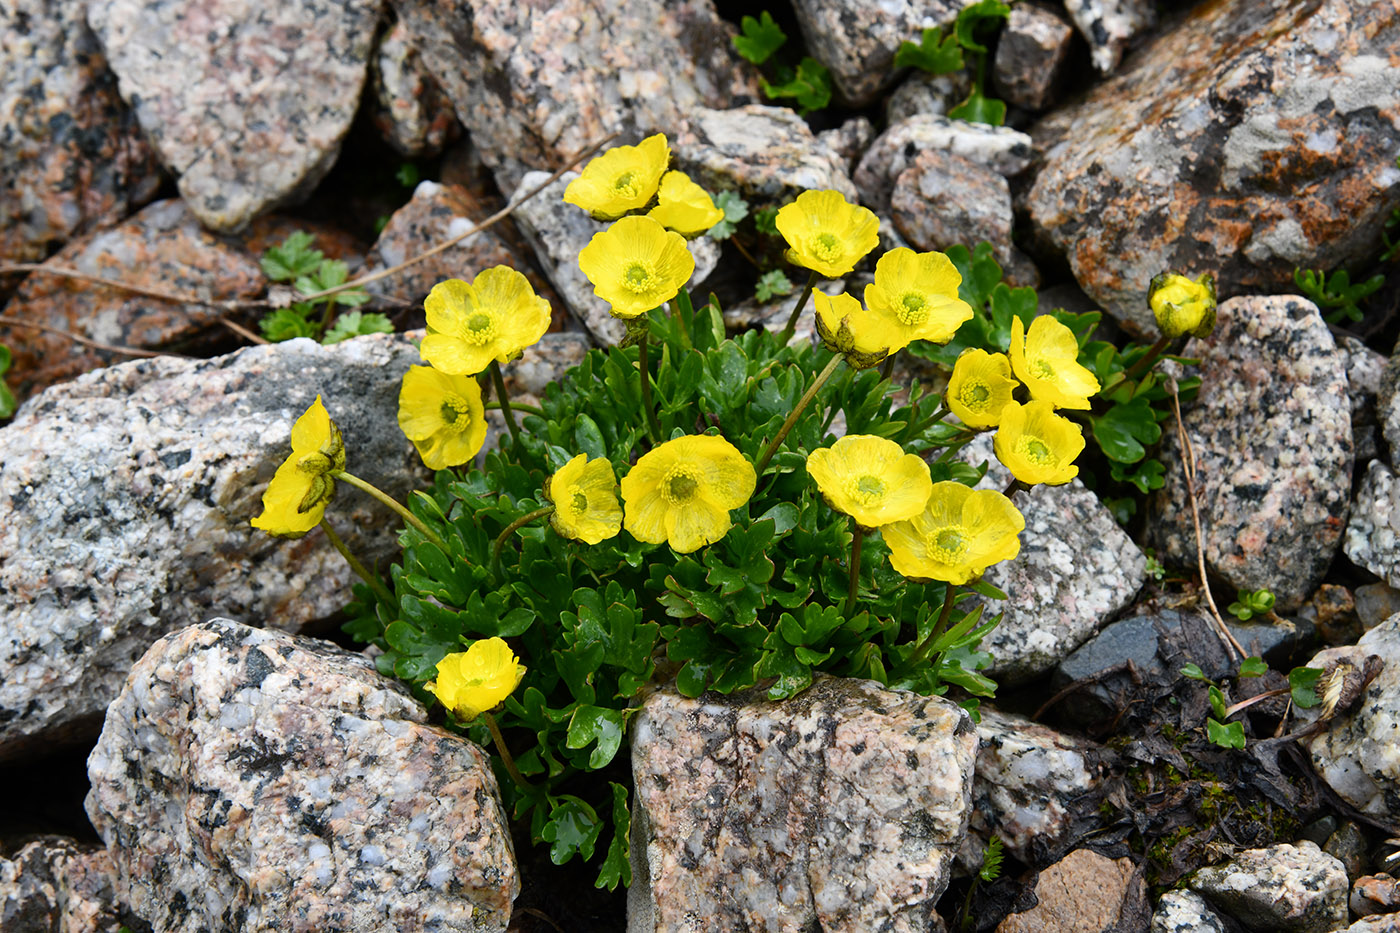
447,305
453,356
701,523
313,429
282,500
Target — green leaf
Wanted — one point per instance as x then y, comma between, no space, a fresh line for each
759,38
572,828
596,724
287,323
772,284
617,866
978,108
977,21
355,324
809,85
1125,428
408,175
1217,701
1226,735
589,438
1303,683
1253,667
7,398
1194,672
765,220
1148,475
293,258
934,53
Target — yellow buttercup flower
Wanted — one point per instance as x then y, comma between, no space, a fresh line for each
1183,306
685,207
477,680
584,494
915,297
958,535
871,479
844,326
1037,445
980,387
296,498
827,233
442,415
622,179
1046,359
495,317
681,492
636,265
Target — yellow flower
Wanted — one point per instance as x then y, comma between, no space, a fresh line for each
1183,306
681,492
584,494
844,326
636,265
684,206
980,387
826,232
1037,445
620,180
442,416
296,498
915,297
1046,358
477,680
871,479
494,318
958,535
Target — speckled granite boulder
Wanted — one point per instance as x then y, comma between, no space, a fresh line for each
848,141
1000,148
1032,51
56,884
1271,431
922,92
1109,25
1084,892
1366,373
534,83
125,497
1266,122
558,231
409,107
838,809
1381,923
1357,754
246,102
1281,889
1185,912
1372,537
73,157
247,781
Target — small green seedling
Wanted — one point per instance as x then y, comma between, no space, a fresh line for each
1251,603
310,272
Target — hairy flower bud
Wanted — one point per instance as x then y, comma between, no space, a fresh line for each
1183,306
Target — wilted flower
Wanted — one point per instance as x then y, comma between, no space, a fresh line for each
636,265
980,387
477,680
845,327
915,297
495,317
870,479
826,232
442,415
1183,306
584,494
685,207
1037,445
620,180
958,535
296,498
1046,359
681,491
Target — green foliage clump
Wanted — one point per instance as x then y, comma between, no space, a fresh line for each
937,54
310,272
808,84
7,398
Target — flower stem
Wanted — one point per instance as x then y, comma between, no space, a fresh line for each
792,417
644,366
949,597
509,530
791,325
857,534
360,570
515,406
499,382
887,370
680,323
1138,369
1013,486
394,504
504,752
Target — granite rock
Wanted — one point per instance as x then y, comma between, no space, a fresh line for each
922,93
1332,610
1280,889
1374,894
1271,433
838,809
1348,844
248,780
1381,923
1084,892
848,141
72,157
1000,148
125,497
246,102
409,108
1376,602
1031,55
535,83
56,884
1185,912
1373,533
1109,25
1388,404
1366,371
1255,136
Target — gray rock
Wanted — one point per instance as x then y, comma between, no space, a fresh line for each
1381,923
1000,148
409,107
838,809
125,497
1185,912
54,883
1281,889
248,780
1388,404
1357,754
1376,602
1032,51
1271,433
1264,122
1374,894
1084,892
1373,532
1109,25
922,93
1365,376
1348,845
848,141
247,103
535,83
558,231
73,157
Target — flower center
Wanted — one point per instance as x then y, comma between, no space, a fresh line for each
867,490
975,395
1036,450
912,309
680,485
479,328
826,247
456,415
578,502
626,185
1041,369
948,545
639,277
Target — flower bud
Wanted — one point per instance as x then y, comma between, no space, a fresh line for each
1182,305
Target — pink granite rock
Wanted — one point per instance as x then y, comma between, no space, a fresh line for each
54,883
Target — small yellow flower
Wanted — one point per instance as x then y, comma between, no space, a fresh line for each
584,494
442,416
980,387
495,317
681,492
915,297
477,680
636,265
871,479
296,498
685,207
826,232
1046,359
620,180
1183,306
958,535
844,326
1037,445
